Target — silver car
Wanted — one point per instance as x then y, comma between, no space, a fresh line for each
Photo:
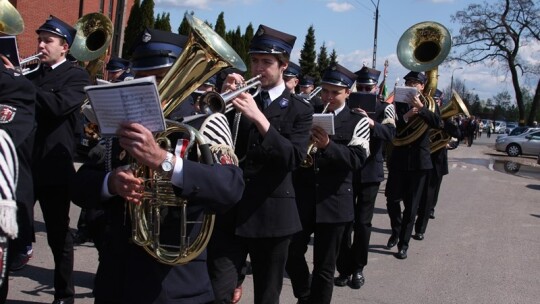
527,143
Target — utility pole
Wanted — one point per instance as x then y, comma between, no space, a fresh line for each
452,80
375,36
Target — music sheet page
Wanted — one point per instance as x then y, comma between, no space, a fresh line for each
325,121
127,101
404,94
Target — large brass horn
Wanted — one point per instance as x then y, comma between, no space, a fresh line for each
94,33
205,54
11,22
422,47
439,138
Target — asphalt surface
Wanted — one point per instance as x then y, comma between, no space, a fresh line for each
482,247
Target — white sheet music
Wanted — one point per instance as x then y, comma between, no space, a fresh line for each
325,121
127,101
404,94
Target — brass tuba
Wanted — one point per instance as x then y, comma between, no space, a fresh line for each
91,43
11,22
422,47
439,138
205,54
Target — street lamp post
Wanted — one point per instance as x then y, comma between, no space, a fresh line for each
375,36
452,80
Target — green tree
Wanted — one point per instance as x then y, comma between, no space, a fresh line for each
147,13
184,27
220,28
308,55
322,62
133,29
497,31
333,57
163,22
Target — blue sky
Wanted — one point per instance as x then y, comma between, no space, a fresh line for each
348,27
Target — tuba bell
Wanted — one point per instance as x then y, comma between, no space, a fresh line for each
11,22
439,138
205,54
422,47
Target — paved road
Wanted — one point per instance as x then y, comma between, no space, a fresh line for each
483,246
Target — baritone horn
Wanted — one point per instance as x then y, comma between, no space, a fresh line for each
204,54
422,47
439,138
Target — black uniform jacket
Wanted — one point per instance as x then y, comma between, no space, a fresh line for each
440,157
324,191
268,207
417,154
126,272
383,131
60,94
17,118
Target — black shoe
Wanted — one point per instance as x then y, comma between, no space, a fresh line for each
357,280
432,214
418,236
392,241
401,254
20,261
64,301
341,280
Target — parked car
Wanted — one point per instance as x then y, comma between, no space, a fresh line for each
500,127
510,126
517,131
527,143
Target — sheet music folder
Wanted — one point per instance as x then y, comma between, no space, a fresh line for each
366,102
127,101
8,48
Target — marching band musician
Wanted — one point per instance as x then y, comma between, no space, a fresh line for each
307,85
353,255
324,191
126,272
118,69
60,94
291,75
17,119
408,168
439,158
273,136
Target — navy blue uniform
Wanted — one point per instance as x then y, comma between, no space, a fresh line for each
126,272
262,223
325,204
60,94
353,255
17,118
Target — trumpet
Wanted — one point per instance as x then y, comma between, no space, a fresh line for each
213,102
24,63
311,150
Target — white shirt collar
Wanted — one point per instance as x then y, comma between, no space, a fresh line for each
276,91
57,64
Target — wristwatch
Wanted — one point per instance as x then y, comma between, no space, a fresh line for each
167,165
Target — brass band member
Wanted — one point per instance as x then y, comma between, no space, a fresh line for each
408,168
291,76
324,190
272,139
353,255
60,94
126,272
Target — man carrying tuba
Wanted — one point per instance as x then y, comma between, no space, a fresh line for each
126,272
409,164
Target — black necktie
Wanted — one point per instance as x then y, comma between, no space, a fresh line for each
265,98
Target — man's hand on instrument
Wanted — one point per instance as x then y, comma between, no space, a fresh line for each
139,142
320,137
122,182
6,62
416,103
232,82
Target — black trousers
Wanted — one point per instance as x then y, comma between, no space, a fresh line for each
429,200
55,203
327,240
407,186
227,255
353,254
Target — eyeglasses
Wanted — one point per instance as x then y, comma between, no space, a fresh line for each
364,88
